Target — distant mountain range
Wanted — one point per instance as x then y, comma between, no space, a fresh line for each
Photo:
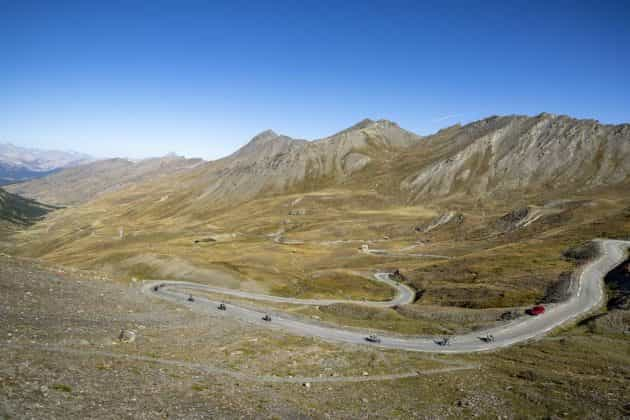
490,158
20,164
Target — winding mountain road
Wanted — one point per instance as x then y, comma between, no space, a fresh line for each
589,295
404,294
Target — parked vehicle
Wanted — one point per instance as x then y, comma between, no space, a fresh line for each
536,310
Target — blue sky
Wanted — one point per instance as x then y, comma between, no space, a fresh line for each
200,78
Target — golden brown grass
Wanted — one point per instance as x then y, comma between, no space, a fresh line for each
490,268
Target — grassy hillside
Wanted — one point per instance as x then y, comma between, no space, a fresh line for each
289,244
292,217
18,212
76,185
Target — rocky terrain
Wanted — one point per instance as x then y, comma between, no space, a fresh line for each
502,154
488,158
276,164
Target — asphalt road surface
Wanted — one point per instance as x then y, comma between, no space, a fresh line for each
404,294
589,296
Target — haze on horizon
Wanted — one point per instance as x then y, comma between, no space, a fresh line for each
145,79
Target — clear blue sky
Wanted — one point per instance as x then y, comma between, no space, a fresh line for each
142,78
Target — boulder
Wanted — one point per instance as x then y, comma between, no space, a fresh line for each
127,336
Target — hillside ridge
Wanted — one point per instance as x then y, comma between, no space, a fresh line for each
492,157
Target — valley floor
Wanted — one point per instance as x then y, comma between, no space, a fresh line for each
62,359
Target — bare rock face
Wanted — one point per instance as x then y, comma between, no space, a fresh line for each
354,162
561,289
582,253
450,217
127,336
526,153
490,157
618,282
272,163
511,220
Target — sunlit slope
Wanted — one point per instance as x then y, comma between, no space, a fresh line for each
77,185
290,216
501,157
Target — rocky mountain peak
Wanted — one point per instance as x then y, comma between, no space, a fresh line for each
369,123
364,123
266,143
386,123
264,136
546,115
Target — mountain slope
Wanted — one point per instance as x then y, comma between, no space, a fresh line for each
527,154
276,164
16,211
269,164
285,216
82,183
493,158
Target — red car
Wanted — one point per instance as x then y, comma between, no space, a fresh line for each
536,310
